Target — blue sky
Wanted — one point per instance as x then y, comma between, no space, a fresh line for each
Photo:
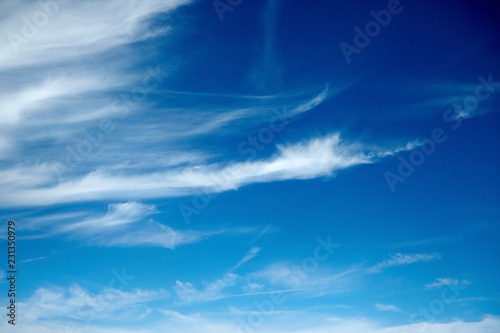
251,166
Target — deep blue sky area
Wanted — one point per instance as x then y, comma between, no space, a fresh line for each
251,166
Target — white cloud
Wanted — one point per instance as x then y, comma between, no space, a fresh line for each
113,311
156,234
291,276
382,307
178,316
253,287
311,104
42,96
187,293
282,322
404,259
441,282
25,261
48,109
78,304
124,225
119,214
46,101
320,157
275,278
27,177
250,254
77,29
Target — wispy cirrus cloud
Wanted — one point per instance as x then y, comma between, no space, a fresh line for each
77,303
125,224
25,261
85,304
315,323
383,307
52,110
441,282
40,97
268,69
250,254
404,259
187,293
276,278
315,158
118,215
76,29
86,223
159,235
